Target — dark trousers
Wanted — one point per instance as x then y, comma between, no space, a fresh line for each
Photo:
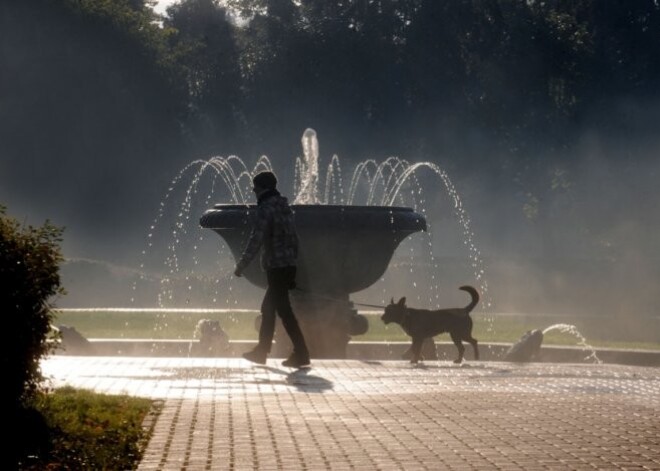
276,301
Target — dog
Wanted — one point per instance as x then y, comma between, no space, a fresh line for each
421,324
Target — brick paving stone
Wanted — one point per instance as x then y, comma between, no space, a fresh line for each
349,414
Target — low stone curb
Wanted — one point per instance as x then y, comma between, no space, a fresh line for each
370,351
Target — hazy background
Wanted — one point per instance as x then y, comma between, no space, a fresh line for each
544,114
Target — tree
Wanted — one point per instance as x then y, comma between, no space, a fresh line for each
206,49
88,89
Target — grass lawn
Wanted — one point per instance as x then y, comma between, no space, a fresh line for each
240,326
90,431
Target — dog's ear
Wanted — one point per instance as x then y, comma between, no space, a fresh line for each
402,301
392,301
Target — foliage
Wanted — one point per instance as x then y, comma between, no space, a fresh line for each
521,72
396,76
131,22
29,276
90,88
205,48
400,75
91,431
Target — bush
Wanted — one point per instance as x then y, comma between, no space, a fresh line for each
29,277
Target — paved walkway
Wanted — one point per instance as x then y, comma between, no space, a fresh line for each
227,414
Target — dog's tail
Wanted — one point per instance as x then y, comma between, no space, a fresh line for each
475,297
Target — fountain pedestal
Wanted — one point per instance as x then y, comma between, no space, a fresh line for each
343,249
327,324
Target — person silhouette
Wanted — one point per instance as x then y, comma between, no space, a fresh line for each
274,234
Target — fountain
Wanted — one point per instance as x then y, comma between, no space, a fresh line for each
343,249
528,348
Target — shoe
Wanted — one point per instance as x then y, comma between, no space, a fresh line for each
296,361
256,356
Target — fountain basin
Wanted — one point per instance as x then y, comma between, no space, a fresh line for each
343,249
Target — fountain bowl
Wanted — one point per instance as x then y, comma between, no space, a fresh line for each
343,249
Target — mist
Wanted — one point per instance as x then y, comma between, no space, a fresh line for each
548,131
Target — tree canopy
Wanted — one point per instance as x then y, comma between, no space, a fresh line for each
377,75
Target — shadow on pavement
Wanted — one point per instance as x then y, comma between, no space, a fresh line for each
302,380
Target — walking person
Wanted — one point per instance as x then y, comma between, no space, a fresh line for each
274,233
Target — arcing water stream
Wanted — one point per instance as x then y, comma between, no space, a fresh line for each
393,181
582,342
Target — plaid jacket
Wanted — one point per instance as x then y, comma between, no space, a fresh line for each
274,230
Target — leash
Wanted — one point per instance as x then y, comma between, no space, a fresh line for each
327,298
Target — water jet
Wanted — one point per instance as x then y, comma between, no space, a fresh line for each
528,348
